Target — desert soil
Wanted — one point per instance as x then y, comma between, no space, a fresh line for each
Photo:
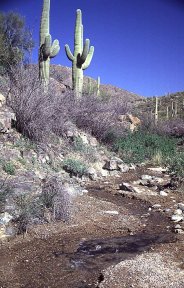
112,240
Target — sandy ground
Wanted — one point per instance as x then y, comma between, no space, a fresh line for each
111,241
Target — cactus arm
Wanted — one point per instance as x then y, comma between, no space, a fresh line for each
85,51
55,48
69,53
89,58
47,46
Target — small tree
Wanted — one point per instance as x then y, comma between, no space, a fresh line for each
15,41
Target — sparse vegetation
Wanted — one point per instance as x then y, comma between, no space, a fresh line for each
8,167
74,167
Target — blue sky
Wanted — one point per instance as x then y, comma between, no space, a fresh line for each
139,44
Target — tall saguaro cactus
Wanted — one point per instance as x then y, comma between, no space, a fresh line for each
98,86
82,56
47,49
156,109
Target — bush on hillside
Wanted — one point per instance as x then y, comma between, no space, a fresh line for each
40,114
142,146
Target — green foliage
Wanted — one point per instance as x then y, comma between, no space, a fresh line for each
25,144
140,146
74,167
175,164
15,41
9,167
88,152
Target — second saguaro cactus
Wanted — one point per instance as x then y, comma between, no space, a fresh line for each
82,56
47,49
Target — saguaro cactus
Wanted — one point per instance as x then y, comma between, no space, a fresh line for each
156,109
98,86
82,56
47,49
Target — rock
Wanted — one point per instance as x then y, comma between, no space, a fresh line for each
146,177
128,187
178,229
178,212
5,218
117,159
181,206
123,167
84,191
176,218
158,169
84,138
111,165
91,172
6,119
163,193
132,166
93,141
111,212
142,182
156,206
2,100
104,173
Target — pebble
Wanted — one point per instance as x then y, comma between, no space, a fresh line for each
163,193
146,177
112,212
156,206
178,229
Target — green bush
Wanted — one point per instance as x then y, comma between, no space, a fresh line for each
140,146
175,163
9,168
74,167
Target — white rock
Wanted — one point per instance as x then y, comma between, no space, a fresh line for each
163,193
157,169
178,212
176,218
146,177
123,167
112,212
5,218
181,206
156,206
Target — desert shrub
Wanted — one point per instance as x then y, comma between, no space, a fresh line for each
93,115
173,127
74,167
57,199
88,152
24,143
141,146
28,210
175,163
38,114
8,167
5,192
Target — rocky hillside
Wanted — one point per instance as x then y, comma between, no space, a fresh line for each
64,75
173,103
